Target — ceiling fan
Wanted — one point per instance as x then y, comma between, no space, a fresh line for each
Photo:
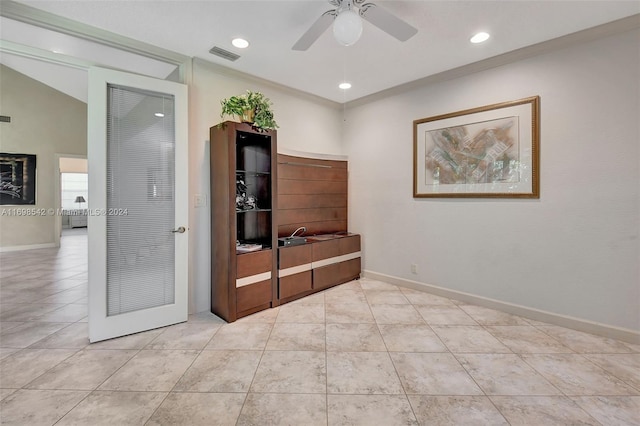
347,25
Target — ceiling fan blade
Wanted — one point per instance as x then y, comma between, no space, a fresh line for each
316,30
387,22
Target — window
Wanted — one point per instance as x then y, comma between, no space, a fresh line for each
73,185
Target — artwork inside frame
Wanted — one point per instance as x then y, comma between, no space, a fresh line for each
17,179
491,151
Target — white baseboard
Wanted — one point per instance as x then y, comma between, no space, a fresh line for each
29,247
604,330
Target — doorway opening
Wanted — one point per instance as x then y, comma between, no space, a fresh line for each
72,196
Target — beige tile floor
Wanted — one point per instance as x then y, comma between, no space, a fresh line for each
363,353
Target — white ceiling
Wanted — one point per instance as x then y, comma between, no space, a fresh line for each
375,63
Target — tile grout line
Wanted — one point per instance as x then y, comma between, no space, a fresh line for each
264,349
395,368
183,373
463,367
326,359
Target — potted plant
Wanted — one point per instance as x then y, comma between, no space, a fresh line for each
252,107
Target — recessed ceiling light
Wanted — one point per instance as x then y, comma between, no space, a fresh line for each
480,37
344,86
159,114
240,43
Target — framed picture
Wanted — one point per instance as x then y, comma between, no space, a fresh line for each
491,151
17,179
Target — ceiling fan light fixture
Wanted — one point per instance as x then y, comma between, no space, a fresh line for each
347,27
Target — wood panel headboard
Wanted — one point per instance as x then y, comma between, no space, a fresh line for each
311,193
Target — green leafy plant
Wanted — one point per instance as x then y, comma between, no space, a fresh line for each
251,107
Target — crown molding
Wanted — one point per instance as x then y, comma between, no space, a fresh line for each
40,18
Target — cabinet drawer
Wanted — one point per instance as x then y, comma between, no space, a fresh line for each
326,249
338,247
294,284
336,273
349,244
255,263
350,269
250,296
326,276
294,256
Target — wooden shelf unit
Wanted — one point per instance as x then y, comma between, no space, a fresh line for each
243,283
288,192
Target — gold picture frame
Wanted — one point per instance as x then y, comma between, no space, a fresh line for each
492,151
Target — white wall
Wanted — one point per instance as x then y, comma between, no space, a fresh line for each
575,251
306,124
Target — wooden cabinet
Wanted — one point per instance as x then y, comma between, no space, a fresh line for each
336,261
321,263
243,211
312,193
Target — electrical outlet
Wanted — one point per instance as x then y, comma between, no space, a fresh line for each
414,268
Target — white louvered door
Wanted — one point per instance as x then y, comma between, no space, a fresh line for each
138,211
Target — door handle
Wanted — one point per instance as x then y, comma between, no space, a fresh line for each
180,230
